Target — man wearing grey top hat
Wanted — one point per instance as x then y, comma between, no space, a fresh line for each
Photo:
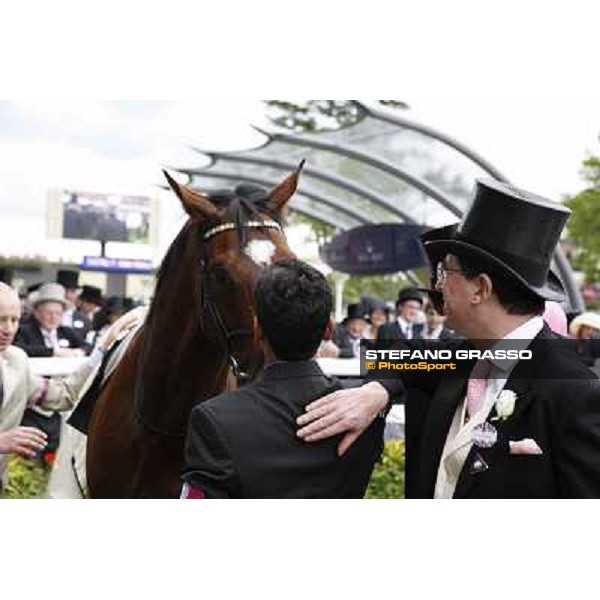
498,428
44,336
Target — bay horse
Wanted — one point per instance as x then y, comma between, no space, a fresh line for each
198,327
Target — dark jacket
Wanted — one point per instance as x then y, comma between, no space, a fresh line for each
558,406
342,339
243,444
392,331
30,338
81,324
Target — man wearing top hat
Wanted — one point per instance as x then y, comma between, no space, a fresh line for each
408,307
90,301
73,317
349,332
44,336
497,429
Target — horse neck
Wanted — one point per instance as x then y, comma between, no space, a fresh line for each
179,364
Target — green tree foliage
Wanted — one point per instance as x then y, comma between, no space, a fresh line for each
584,223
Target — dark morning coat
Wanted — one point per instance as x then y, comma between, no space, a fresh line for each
243,443
558,406
30,338
393,331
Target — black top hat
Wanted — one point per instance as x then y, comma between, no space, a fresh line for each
67,278
354,311
513,231
34,287
89,293
409,294
119,303
6,275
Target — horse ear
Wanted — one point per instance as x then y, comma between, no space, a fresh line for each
198,206
285,190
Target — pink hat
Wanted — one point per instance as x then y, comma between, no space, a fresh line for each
555,316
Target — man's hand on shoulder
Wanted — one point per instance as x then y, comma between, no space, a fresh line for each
348,411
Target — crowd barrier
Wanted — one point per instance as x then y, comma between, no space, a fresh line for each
344,368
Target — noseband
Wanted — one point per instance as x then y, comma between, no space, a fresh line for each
209,300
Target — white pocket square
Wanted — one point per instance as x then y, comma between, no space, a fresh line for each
525,446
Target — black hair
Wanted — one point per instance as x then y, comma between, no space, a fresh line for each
293,307
514,297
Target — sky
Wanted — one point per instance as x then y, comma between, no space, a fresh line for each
121,146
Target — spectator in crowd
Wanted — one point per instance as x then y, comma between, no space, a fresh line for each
585,329
408,308
20,388
73,317
378,315
113,308
349,332
434,325
90,301
44,335
225,458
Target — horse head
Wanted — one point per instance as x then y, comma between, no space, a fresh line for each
238,232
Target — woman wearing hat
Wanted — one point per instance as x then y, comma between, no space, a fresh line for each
585,329
494,429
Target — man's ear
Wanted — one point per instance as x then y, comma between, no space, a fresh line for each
484,288
329,329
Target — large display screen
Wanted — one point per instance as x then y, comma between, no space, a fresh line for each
105,217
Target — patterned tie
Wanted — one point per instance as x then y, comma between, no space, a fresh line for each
476,387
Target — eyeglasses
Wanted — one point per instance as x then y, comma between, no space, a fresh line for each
441,273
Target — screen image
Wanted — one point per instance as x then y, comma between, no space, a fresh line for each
105,217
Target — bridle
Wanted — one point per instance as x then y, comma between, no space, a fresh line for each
208,300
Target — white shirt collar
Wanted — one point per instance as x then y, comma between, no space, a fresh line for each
523,334
403,324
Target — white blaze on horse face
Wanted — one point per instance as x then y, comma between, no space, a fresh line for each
260,251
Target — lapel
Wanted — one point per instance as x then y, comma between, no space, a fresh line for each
520,382
399,333
36,330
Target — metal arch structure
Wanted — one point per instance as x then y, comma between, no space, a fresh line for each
342,182
382,167
573,293
438,135
368,159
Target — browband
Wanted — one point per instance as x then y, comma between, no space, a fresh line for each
230,226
